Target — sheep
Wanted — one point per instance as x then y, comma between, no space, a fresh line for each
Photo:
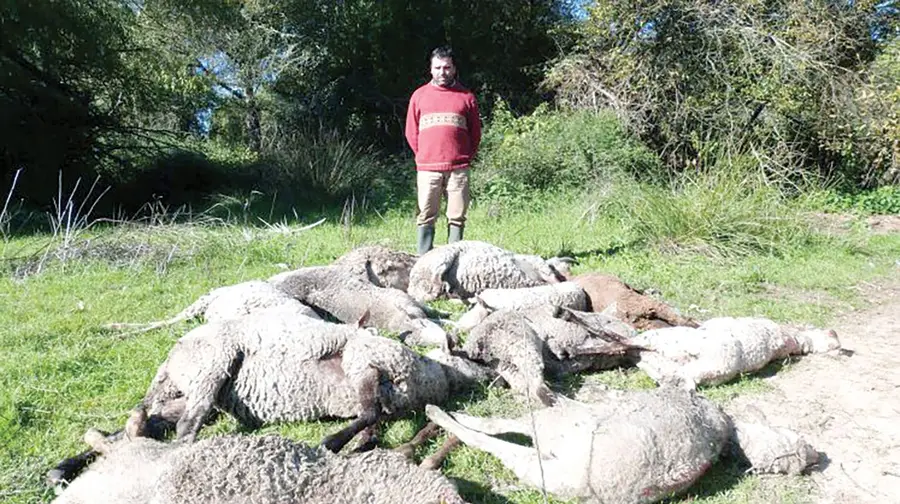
466,268
228,302
261,469
644,445
347,297
292,372
379,265
610,295
576,341
521,347
722,348
635,447
505,342
563,294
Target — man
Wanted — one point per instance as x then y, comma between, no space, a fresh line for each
444,131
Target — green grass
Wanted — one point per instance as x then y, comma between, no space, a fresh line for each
60,374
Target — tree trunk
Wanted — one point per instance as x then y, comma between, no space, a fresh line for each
254,138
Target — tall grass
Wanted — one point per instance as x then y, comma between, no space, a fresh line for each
725,210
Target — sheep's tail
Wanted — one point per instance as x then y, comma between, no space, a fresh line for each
139,328
194,310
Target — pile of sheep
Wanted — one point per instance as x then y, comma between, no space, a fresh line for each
342,341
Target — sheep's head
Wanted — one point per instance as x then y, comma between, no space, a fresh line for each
461,372
561,267
474,316
424,332
818,340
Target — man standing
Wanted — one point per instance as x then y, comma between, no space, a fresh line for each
444,131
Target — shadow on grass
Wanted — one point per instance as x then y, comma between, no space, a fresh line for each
477,493
722,476
598,252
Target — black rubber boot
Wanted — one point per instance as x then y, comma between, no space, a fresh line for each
454,233
425,238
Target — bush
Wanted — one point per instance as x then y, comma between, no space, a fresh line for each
883,200
554,150
324,164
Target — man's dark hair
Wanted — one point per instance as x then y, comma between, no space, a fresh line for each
443,52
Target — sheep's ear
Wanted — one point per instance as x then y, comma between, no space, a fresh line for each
363,319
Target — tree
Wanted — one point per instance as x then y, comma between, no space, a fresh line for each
769,76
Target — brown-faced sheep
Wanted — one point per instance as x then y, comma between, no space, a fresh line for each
612,296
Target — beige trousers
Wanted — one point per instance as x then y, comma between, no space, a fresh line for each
431,185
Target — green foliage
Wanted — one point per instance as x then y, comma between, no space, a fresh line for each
883,200
778,77
553,150
323,163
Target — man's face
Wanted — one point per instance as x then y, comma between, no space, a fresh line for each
443,71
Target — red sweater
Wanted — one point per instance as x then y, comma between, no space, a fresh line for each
443,127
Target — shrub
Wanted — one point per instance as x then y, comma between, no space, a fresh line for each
883,200
554,150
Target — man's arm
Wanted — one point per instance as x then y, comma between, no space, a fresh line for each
474,123
412,125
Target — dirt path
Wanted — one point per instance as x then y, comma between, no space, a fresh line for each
848,406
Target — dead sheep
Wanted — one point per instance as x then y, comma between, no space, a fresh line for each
346,297
228,302
273,367
563,295
610,295
261,469
644,445
523,347
465,268
506,343
635,447
576,341
267,368
722,348
382,266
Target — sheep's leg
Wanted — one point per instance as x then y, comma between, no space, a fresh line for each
436,459
199,401
523,461
68,469
493,426
430,431
367,440
370,413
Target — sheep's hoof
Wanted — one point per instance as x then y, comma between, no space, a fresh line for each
55,477
333,444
